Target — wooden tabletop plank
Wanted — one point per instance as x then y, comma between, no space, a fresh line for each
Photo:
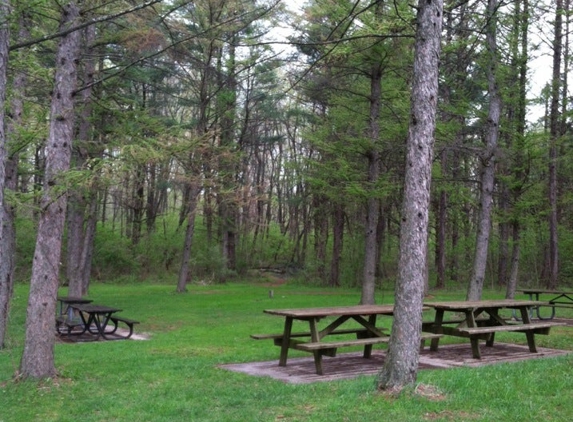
333,311
468,305
545,291
95,308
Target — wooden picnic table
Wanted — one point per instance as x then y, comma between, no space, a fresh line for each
558,299
482,319
313,340
95,318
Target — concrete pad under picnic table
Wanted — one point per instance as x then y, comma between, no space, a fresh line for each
301,370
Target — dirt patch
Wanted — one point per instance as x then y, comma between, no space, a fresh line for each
350,365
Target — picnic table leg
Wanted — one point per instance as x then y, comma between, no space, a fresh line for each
529,334
286,342
489,342
368,348
437,329
314,337
474,340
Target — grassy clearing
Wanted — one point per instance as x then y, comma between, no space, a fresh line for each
174,375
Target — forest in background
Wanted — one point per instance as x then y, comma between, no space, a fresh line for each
207,144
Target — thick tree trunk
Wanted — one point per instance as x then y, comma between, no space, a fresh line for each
6,218
38,356
401,363
475,287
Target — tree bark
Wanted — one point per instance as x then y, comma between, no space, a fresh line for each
38,356
401,363
80,199
554,135
6,221
373,208
337,244
475,287
184,272
373,205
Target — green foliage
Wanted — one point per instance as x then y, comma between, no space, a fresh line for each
113,255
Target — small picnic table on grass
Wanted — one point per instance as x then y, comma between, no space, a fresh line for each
482,319
98,320
558,299
313,340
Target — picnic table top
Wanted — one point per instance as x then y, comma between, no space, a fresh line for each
91,308
73,299
333,311
474,304
548,291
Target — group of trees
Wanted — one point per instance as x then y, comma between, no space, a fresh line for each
125,112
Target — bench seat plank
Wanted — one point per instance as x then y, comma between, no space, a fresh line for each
341,343
542,326
357,342
307,334
129,322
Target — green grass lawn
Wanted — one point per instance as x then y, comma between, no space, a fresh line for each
174,376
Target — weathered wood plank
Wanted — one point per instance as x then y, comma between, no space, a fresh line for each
539,327
309,347
307,334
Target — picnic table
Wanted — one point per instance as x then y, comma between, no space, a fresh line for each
482,319
99,320
558,299
314,339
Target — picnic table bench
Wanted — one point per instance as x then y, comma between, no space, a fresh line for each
482,321
129,323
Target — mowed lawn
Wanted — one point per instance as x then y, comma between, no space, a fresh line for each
175,375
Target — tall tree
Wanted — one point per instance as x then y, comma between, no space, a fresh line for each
519,48
81,222
373,204
401,364
6,244
487,158
38,355
555,132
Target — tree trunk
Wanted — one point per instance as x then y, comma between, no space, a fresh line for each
80,197
337,244
373,207
475,287
514,269
520,53
401,363
6,218
38,356
320,234
185,270
554,135
441,227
